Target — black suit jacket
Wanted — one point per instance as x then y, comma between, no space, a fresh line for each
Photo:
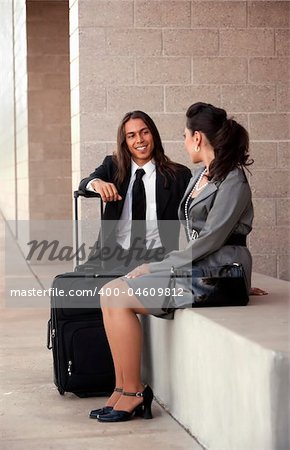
168,197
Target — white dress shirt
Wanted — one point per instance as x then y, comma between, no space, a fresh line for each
123,229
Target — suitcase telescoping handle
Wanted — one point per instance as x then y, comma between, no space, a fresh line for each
87,194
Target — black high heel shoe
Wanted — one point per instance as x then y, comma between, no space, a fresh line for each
142,410
105,410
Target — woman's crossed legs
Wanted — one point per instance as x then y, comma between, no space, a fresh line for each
124,333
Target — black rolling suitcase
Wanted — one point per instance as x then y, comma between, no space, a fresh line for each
82,360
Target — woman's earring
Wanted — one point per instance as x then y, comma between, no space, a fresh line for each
196,148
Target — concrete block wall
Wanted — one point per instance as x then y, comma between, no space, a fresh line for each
161,56
35,165
49,110
74,92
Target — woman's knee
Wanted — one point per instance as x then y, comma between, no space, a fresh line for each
116,295
113,295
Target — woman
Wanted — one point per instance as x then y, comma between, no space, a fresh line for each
217,214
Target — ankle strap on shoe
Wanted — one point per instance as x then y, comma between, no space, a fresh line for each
133,394
118,389
136,394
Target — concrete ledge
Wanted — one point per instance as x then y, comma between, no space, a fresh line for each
223,373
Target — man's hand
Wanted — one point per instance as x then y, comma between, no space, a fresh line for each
107,191
138,271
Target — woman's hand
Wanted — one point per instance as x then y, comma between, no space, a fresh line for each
107,191
257,291
138,271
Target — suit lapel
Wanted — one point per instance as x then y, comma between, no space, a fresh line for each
206,192
162,195
190,185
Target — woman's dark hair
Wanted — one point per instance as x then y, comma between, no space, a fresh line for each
229,139
122,155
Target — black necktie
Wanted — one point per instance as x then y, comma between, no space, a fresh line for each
138,231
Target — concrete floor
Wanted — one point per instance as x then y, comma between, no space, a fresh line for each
35,416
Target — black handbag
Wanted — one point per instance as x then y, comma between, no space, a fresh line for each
207,286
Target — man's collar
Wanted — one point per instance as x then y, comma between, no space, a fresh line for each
149,167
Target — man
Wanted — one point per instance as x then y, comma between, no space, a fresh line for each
162,185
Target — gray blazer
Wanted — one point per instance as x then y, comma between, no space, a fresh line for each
220,210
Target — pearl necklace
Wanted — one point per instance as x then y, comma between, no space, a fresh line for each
192,235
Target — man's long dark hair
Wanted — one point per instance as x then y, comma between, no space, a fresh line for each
122,156
229,139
